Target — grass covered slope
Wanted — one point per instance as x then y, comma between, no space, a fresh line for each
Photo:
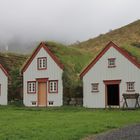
122,36
12,63
127,37
60,123
75,58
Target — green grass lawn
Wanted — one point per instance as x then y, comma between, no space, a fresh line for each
64,123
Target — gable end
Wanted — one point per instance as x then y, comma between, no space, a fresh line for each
41,45
108,46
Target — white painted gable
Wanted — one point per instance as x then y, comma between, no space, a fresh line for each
125,71
52,68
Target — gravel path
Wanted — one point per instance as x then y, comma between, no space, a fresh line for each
127,133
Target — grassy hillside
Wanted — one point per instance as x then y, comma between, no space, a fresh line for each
12,63
70,56
127,37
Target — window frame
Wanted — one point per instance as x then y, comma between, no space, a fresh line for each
113,60
38,63
31,92
51,103
50,90
128,86
92,87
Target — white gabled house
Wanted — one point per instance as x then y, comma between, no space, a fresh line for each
112,73
42,79
3,86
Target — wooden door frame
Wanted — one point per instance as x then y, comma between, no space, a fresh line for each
42,80
111,82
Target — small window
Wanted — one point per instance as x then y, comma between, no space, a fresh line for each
42,63
31,87
53,86
33,102
95,87
111,62
130,86
50,102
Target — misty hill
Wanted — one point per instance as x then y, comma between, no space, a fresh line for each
17,45
127,37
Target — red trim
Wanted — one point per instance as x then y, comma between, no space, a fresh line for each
111,82
56,87
5,72
38,63
28,85
118,95
108,46
41,45
42,80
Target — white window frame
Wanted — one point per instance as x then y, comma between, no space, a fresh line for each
31,87
94,87
130,86
53,86
51,103
111,62
42,63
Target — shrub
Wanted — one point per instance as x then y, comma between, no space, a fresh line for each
16,102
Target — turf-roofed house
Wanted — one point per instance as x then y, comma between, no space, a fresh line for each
111,74
3,86
42,78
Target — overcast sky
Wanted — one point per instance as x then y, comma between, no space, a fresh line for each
63,20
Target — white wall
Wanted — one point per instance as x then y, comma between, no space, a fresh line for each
124,71
4,88
53,72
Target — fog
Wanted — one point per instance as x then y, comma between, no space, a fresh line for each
66,21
